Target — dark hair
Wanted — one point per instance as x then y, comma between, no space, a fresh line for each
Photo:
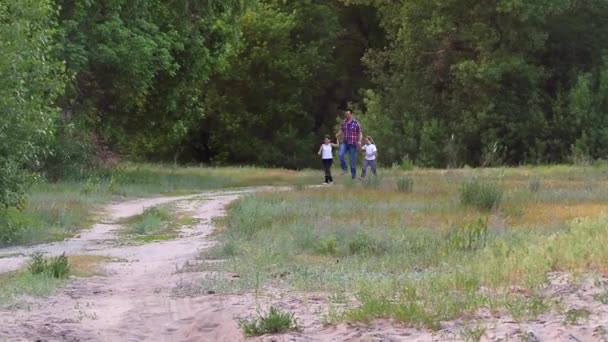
327,137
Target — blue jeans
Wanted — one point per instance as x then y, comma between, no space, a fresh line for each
369,163
352,151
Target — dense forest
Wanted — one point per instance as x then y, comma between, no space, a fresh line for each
435,82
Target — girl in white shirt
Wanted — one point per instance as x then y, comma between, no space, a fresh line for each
327,157
370,156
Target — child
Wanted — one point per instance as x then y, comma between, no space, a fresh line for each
326,153
370,156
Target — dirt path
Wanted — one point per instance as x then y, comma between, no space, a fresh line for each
134,301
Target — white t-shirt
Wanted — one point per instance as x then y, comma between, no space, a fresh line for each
326,151
369,151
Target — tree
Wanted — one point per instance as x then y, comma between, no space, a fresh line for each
32,78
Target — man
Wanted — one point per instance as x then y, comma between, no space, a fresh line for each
350,141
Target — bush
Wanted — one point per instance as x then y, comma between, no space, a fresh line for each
371,182
274,322
405,184
484,196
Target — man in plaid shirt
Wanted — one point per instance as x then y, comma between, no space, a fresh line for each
351,135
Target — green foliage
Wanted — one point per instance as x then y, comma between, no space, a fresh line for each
482,195
327,246
57,267
38,264
31,80
366,245
493,83
574,315
472,334
405,183
275,321
468,237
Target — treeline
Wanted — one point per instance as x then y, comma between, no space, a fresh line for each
437,83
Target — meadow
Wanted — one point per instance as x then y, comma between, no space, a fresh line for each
59,210
420,246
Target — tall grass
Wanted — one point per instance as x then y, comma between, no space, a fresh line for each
419,257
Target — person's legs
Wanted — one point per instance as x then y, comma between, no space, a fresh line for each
364,171
330,178
341,154
352,151
326,165
372,164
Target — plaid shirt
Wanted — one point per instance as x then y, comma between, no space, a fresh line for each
351,131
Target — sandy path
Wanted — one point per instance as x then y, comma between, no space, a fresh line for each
134,302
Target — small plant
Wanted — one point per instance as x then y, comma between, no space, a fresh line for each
406,164
472,334
484,196
468,237
527,308
573,315
365,244
38,264
405,184
59,267
327,246
535,183
275,321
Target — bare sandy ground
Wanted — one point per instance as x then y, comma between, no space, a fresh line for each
134,301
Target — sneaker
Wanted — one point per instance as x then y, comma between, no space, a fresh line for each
324,183
343,173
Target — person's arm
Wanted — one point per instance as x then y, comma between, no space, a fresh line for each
335,145
320,149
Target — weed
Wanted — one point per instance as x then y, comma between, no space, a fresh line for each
482,195
535,183
523,309
574,315
365,244
327,246
59,267
405,184
472,334
37,264
468,237
275,321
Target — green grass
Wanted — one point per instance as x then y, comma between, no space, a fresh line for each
43,276
156,224
420,257
56,211
273,322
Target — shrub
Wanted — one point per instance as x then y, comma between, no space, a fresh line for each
275,321
405,184
484,196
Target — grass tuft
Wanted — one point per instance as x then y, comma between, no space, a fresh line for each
405,184
482,195
275,321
